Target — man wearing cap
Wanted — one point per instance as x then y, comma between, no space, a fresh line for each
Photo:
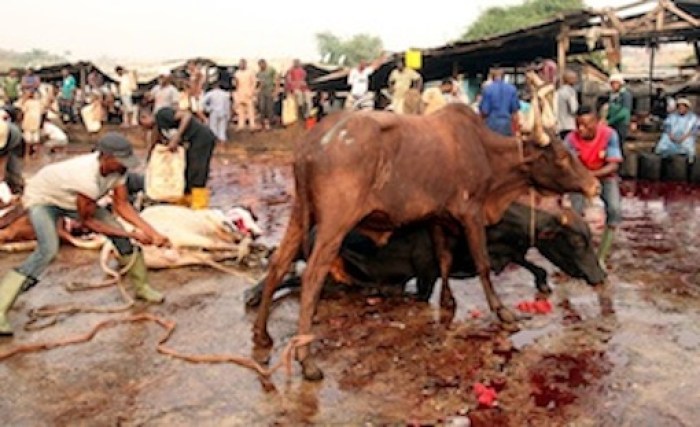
11,152
680,129
619,108
71,189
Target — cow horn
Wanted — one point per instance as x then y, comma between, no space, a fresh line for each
538,129
564,219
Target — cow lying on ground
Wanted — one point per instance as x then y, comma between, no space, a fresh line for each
562,237
198,236
377,171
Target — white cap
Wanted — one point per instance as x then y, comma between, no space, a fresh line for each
616,78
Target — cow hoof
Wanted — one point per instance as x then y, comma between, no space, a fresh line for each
310,370
506,315
252,297
510,327
448,303
544,289
262,339
261,355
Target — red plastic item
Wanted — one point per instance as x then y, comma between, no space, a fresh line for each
542,306
486,396
475,313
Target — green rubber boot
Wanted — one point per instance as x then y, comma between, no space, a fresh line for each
138,273
10,286
606,242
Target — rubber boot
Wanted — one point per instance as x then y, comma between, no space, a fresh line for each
606,244
138,273
200,198
11,286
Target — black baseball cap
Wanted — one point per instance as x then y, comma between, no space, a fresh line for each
116,145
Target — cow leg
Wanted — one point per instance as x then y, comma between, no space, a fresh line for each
539,273
473,223
328,241
281,261
447,300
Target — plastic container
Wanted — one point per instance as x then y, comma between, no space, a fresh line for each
649,166
674,169
414,59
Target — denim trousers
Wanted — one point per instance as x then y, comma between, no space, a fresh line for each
611,197
44,219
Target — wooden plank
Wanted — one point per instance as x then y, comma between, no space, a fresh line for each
681,14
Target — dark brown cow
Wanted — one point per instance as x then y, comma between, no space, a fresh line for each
377,171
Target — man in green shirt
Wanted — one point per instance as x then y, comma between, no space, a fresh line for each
619,108
268,87
11,87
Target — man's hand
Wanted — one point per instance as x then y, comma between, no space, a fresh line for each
161,241
142,237
174,143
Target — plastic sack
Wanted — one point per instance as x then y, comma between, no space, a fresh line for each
290,113
165,174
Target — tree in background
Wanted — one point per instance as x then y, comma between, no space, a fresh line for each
496,20
350,51
33,58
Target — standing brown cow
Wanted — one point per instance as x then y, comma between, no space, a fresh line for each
377,171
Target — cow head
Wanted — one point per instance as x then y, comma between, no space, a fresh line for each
553,167
244,221
565,240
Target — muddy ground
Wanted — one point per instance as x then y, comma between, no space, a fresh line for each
387,359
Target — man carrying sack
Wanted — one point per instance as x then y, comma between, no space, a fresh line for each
71,189
174,129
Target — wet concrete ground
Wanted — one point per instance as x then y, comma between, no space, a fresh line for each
387,359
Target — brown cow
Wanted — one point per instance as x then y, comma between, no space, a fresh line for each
377,171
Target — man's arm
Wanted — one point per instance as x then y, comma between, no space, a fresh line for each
184,118
613,157
123,208
86,211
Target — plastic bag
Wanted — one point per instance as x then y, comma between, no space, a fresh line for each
290,114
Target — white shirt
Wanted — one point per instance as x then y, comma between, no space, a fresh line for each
359,81
59,184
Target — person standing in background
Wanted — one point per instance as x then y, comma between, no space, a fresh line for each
619,108
499,105
244,96
268,88
401,80
567,104
217,102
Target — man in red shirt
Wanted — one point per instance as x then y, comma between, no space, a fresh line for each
598,148
295,85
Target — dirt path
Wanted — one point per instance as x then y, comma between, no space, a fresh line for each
387,359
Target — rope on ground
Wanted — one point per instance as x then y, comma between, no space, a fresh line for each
52,312
169,327
220,267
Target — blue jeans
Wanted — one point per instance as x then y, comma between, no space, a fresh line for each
611,197
44,218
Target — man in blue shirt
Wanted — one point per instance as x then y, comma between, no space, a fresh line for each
499,105
65,101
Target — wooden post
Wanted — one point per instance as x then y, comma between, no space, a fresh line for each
651,73
562,48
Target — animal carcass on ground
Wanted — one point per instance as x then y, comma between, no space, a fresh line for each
377,171
197,236
563,237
